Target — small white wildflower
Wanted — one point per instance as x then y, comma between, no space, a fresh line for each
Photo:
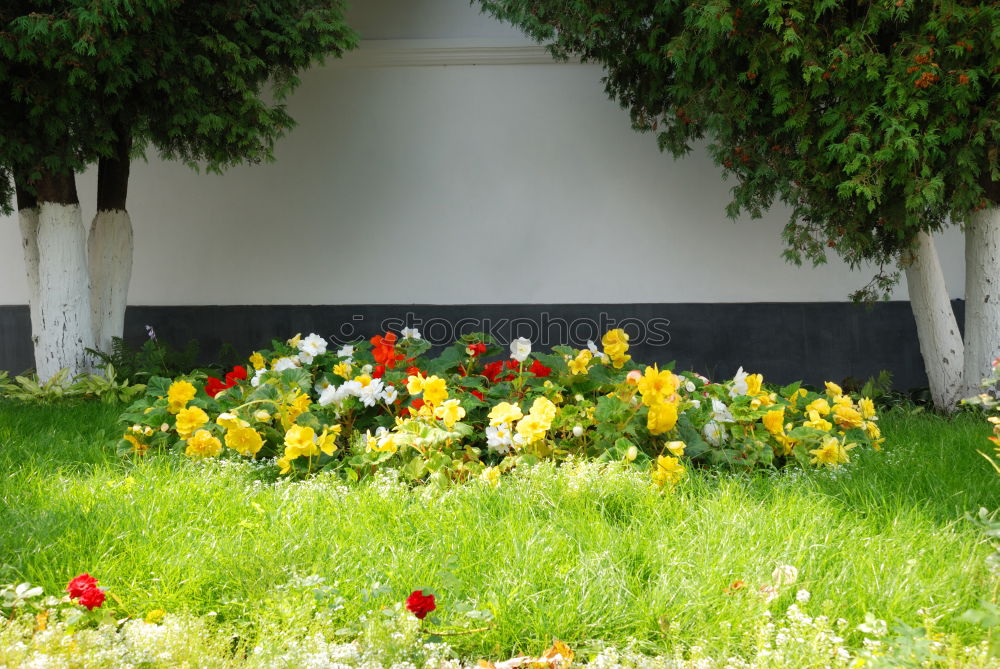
802,596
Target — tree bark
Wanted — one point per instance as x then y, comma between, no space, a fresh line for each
27,214
982,296
110,247
63,284
937,329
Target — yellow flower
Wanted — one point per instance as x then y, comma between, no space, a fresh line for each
257,360
178,395
579,364
450,412
615,344
544,409
833,390
668,471
386,443
816,422
662,417
832,453
656,386
203,445
364,380
294,341
774,421
137,446
230,421
415,384
532,428
300,441
244,440
189,420
435,390
754,383
676,447
762,400
867,407
505,413
298,406
800,392
820,406
872,430
491,475
261,416
846,416
285,464
327,441
343,370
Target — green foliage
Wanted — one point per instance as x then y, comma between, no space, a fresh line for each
869,120
106,387
153,358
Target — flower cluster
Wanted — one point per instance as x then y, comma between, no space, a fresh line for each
84,590
477,411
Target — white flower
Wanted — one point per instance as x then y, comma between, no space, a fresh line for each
389,394
577,430
372,393
498,438
689,386
328,396
739,384
305,358
346,351
281,364
720,412
802,596
313,345
410,333
255,381
598,353
367,369
520,349
714,433
784,574
322,385
351,389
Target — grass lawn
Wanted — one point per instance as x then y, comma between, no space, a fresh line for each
592,556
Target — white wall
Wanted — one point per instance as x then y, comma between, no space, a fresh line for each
458,184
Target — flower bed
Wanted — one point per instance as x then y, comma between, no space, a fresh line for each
456,416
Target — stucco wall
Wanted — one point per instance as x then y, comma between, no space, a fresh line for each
450,185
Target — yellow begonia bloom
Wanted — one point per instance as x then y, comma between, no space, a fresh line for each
189,420
137,446
261,416
505,413
532,428
298,406
450,412
327,441
774,421
203,445
285,465
832,452
846,416
867,407
244,440
816,422
820,406
833,390
796,395
415,384
435,390
178,395
544,409
294,341
364,380
257,360
343,370
381,444
762,400
656,386
872,430
662,417
579,364
676,448
300,441
615,345
754,383
491,475
668,471
230,421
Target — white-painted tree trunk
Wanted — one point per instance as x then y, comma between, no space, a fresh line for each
982,296
110,253
63,292
937,329
28,220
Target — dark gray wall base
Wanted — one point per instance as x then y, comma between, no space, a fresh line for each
786,341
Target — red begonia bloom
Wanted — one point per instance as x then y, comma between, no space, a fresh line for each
492,370
420,604
384,350
540,370
81,584
477,394
476,349
379,372
214,386
239,373
92,598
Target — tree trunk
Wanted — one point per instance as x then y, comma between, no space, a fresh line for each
937,329
27,213
110,248
982,296
63,285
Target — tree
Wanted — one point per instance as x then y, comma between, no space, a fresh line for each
876,123
86,83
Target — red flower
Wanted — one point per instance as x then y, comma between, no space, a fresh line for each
420,604
492,370
239,373
476,349
214,386
92,598
80,584
413,370
384,350
379,372
540,370
477,394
